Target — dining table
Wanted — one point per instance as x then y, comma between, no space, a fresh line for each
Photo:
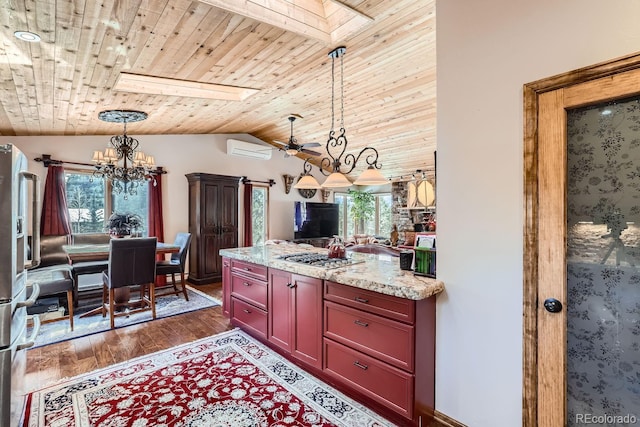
99,252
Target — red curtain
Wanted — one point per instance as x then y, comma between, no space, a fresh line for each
156,223
54,219
246,215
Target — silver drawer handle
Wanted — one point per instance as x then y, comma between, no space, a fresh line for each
361,323
246,269
360,365
362,300
246,311
246,284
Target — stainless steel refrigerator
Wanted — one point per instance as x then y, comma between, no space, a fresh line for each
19,196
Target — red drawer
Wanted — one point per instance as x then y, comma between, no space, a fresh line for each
374,302
385,339
385,384
249,269
250,290
248,316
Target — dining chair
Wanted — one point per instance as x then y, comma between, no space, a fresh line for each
132,262
175,265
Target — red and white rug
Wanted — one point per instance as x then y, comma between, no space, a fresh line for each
228,379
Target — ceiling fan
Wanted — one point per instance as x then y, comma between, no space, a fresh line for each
292,147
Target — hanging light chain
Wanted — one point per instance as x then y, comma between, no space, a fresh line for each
333,83
342,91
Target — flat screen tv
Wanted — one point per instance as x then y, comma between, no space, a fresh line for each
314,220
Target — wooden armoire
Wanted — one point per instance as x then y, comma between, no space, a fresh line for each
213,223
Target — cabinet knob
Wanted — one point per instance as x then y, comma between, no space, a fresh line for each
246,284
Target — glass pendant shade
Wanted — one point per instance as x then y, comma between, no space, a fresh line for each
307,182
291,151
336,180
371,176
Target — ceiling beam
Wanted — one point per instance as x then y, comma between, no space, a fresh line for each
137,83
328,21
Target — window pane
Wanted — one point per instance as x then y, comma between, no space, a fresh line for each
260,197
86,202
384,215
339,199
134,204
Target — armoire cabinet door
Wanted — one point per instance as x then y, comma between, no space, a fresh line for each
213,223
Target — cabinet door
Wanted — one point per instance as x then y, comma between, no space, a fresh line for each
280,309
307,325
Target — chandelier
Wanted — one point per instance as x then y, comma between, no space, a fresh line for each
136,166
336,147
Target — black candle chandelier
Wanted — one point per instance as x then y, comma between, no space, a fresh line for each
336,147
136,166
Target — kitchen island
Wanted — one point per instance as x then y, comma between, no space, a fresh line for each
366,327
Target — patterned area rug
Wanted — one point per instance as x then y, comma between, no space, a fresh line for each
166,306
228,379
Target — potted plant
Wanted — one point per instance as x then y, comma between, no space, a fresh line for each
122,224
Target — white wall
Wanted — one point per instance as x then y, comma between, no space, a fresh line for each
487,51
180,155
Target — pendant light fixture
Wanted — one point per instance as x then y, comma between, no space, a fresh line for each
137,167
336,147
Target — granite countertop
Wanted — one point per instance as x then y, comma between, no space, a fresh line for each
379,273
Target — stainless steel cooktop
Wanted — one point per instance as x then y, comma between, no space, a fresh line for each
318,260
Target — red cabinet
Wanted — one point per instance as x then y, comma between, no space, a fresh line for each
226,285
386,339
383,383
295,315
246,292
380,347
281,301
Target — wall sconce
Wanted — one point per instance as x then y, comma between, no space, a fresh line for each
325,194
288,181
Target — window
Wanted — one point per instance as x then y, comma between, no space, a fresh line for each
378,225
260,214
91,202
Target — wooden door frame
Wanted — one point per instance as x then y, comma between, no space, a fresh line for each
532,92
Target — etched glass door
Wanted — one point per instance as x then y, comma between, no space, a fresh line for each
603,264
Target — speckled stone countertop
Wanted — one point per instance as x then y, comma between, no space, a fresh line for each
378,273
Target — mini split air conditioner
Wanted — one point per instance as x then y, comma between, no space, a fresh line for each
248,149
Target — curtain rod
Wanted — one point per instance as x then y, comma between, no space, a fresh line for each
246,180
46,160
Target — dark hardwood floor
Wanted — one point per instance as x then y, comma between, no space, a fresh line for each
74,357
53,362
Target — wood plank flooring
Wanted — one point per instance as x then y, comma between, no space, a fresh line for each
53,362
74,357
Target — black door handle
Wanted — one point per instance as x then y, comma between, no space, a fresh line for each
553,305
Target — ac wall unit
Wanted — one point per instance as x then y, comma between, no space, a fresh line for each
248,149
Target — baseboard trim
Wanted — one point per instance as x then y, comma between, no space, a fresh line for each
445,420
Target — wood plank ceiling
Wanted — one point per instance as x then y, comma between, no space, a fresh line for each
279,47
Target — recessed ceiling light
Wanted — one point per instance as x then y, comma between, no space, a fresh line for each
27,36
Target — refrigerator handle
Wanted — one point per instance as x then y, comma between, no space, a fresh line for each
30,342
35,293
35,220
